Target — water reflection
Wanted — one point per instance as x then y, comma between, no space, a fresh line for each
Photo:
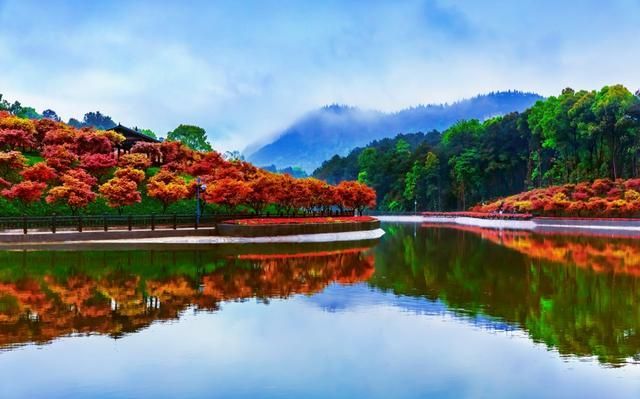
576,294
44,295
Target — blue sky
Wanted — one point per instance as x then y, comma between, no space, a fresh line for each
245,69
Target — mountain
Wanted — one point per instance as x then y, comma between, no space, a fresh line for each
337,129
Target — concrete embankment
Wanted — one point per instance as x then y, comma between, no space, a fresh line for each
604,226
223,234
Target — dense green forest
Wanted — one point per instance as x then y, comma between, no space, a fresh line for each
576,136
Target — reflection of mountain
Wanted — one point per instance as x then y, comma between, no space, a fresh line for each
573,309
47,295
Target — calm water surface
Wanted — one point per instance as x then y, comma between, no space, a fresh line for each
426,312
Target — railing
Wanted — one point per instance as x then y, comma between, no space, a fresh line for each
81,223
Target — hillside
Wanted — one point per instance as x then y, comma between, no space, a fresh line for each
338,129
575,137
602,198
49,167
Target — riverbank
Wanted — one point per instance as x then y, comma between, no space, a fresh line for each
593,225
229,232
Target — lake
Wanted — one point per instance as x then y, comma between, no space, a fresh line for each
428,311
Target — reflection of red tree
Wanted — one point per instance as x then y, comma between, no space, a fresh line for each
44,309
610,254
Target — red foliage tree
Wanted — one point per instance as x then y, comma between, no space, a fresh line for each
98,164
176,156
39,172
120,192
73,192
59,157
26,191
265,190
42,126
90,142
207,164
14,139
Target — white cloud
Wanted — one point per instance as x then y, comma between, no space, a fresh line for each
245,70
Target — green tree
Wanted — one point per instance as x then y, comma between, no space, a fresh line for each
193,137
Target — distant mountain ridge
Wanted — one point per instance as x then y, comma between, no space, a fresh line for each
337,129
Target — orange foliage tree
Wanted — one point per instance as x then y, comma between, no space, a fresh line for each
356,196
167,188
131,174
11,163
227,192
120,192
74,193
136,161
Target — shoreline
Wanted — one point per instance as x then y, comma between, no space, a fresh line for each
535,224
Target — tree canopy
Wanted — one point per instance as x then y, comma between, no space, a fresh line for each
193,137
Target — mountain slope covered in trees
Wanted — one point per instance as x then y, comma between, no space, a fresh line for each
338,129
574,137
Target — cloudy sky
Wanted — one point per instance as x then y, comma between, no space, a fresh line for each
245,69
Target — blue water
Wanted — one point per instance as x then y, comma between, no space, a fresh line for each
361,339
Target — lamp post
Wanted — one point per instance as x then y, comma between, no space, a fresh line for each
199,186
415,206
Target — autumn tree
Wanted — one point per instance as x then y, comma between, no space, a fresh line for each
59,157
11,163
90,142
167,188
356,196
264,190
120,192
26,192
82,175
74,193
136,161
98,164
130,174
227,192
14,139
39,172
151,150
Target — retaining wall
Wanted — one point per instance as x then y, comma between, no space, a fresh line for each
270,230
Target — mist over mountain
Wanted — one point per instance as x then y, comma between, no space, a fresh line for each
337,129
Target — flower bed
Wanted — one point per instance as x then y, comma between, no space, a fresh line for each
602,198
302,220
270,227
480,215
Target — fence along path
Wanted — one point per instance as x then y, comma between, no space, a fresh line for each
80,223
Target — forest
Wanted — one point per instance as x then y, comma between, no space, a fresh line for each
49,167
577,136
